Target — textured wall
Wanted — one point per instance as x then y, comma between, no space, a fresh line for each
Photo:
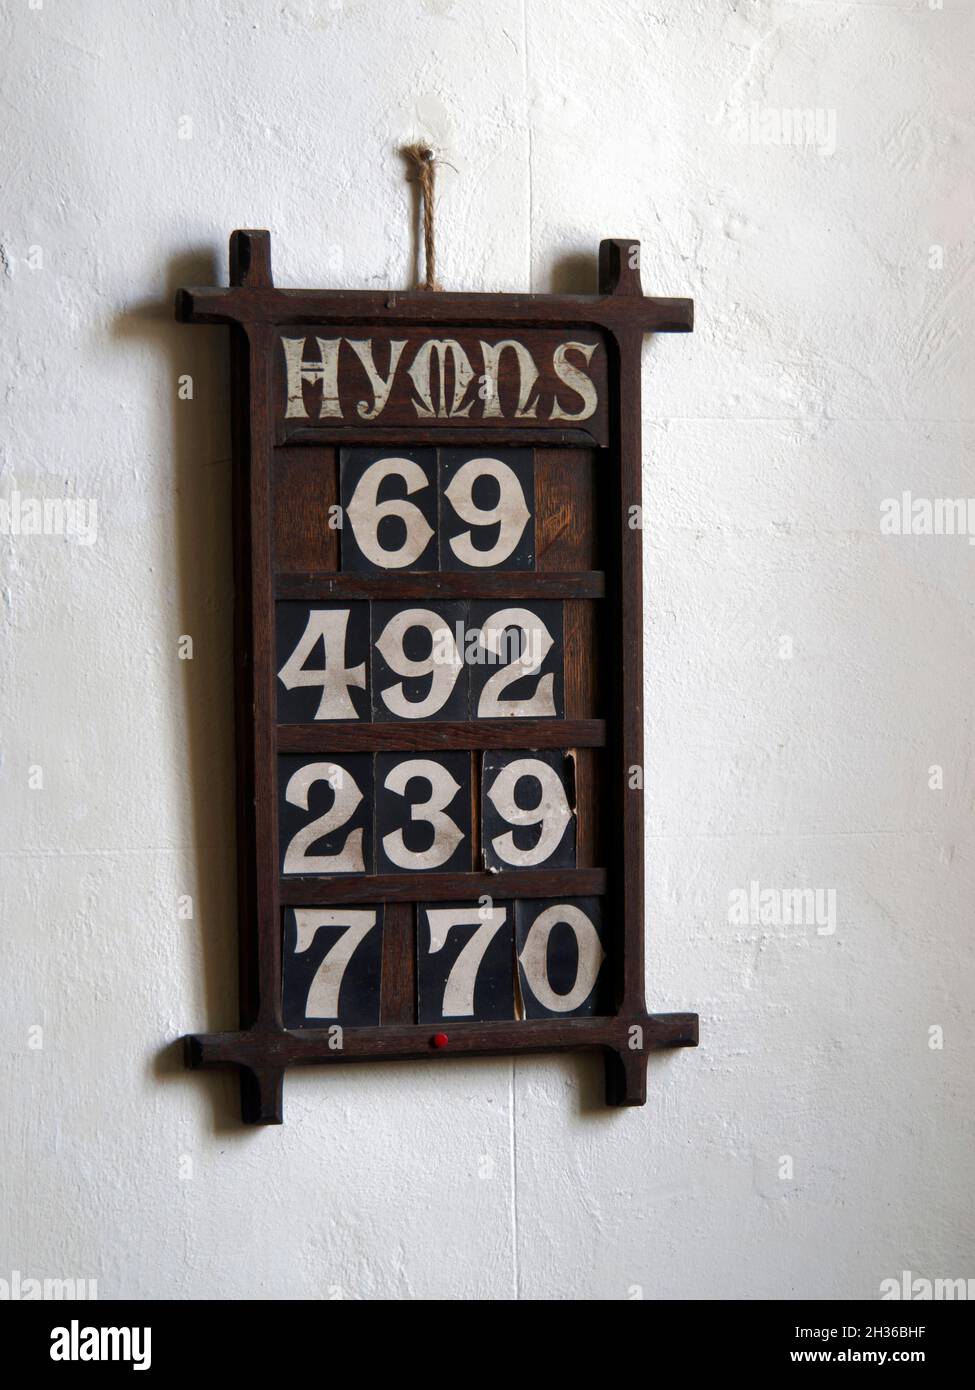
831,369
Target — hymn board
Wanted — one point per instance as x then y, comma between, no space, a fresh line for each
439,664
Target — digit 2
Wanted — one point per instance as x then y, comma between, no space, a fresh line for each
325,813
519,668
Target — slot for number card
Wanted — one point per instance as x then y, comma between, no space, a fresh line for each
423,813
464,961
487,509
332,966
527,816
561,957
322,661
389,510
325,813
517,670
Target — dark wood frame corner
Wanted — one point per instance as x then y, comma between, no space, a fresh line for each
262,1048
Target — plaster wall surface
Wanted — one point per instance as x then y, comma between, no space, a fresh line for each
805,671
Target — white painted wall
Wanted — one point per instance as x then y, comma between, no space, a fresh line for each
831,368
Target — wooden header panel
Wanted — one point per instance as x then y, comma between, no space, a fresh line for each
327,378
439,675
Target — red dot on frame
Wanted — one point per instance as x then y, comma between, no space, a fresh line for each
440,1040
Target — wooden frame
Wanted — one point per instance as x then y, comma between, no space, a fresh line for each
619,316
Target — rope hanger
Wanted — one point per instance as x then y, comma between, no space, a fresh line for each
425,160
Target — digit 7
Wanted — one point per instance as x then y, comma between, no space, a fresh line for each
332,964
465,965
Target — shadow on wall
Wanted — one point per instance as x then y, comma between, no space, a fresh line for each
197,493
577,274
